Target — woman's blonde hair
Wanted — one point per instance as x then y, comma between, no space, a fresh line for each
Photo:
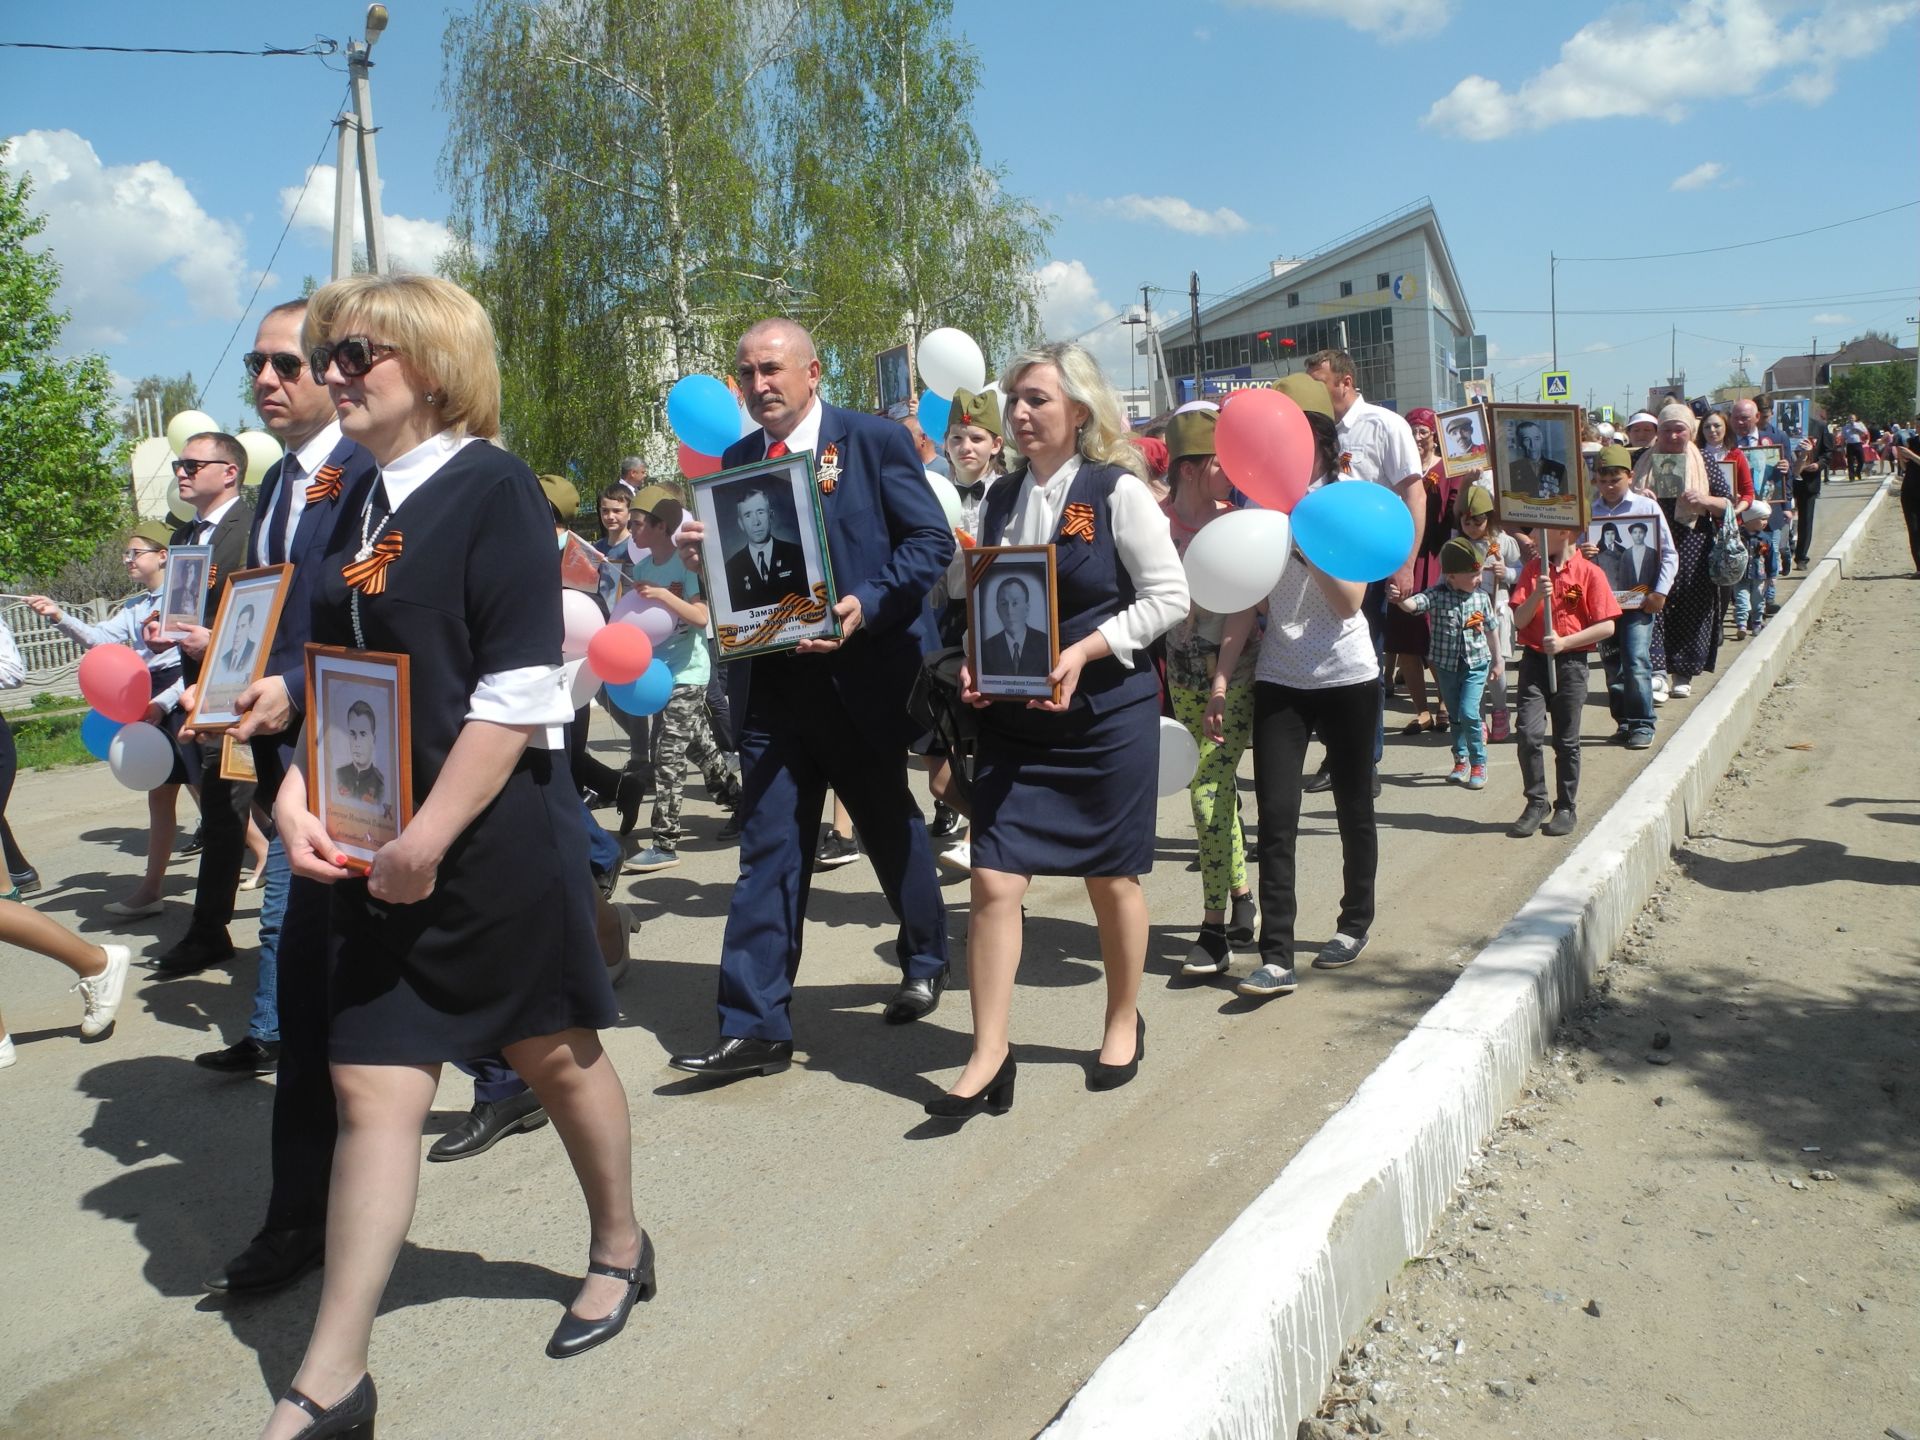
1104,439
441,332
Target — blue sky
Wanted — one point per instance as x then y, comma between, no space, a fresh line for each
1208,135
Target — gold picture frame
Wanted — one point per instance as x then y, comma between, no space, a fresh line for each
359,748
238,644
1539,477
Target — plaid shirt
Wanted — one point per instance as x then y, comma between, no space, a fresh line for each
1459,626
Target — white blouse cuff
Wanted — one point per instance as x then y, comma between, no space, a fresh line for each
535,695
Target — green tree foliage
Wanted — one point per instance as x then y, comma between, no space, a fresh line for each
1878,394
60,488
646,177
174,392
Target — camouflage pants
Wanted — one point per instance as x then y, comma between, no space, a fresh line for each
681,732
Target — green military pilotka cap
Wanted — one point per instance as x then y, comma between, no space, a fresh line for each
1308,393
153,532
561,495
971,409
1614,457
1458,556
1191,434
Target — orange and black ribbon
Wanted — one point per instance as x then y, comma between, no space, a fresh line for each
1571,594
325,485
794,609
369,576
1078,522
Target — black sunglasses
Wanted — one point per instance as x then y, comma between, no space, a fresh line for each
355,355
190,468
284,365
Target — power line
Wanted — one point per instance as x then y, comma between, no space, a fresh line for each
1742,245
1810,303
267,269
320,45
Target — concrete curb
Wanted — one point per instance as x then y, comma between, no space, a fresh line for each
1244,1343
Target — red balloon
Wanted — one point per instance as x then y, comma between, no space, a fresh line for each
115,682
693,464
1266,447
619,654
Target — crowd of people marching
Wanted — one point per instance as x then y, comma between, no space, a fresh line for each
488,933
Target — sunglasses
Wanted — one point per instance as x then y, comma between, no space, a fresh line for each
353,355
191,468
284,365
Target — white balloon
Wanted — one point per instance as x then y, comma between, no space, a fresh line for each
187,424
949,361
582,619
153,483
948,497
1236,559
650,617
140,756
1179,756
1197,405
262,451
582,682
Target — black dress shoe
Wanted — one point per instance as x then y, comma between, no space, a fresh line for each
348,1418
995,1097
731,829
737,1055
576,1334
194,953
487,1124
273,1261
917,998
246,1056
627,794
1320,780
1112,1077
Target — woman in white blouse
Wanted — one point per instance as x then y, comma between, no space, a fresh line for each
474,931
1069,786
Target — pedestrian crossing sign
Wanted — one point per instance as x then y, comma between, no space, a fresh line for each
1556,385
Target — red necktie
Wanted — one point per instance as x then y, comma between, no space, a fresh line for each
776,449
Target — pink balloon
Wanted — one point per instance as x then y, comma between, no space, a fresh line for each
693,464
115,682
1266,447
582,620
650,617
619,654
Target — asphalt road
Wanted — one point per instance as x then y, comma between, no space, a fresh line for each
831,1264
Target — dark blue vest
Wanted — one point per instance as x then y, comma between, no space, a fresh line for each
1092,584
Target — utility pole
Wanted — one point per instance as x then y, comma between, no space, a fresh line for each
1813,382
1199,356
1153,345
356,140
1553,302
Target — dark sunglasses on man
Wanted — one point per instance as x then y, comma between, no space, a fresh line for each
352,355
190,468
284,365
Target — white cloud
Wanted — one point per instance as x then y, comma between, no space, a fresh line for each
1071,306
1390,19
1624,65
1829,318
1176,214
1699,177
415,245
1595,348
111,226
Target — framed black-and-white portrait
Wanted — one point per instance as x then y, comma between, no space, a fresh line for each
1627,552
1667,475
1463,440
237,645
767,575
1538,475
893,373
359,748
1013,621
183,594
1790,415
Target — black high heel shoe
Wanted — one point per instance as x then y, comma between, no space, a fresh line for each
348,1418
1112,1077
575,1335
995,1097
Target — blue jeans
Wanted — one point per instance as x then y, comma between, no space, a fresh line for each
265,1024
1460,692
1627,659
1751,594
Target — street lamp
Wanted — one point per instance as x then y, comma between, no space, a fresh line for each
359,126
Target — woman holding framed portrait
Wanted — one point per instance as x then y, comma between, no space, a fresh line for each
1068,786
473,930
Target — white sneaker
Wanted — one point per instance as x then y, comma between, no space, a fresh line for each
1681,690
957,856
7,1057
1659,689
101,993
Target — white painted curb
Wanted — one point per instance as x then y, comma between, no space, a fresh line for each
1242,1347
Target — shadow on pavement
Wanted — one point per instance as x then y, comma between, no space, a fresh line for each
1795,862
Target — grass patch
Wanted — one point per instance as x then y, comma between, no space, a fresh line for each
50,741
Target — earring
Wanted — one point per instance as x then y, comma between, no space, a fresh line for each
431,398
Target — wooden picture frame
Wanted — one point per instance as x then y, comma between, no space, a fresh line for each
765,570
359,748
236,760
1000,579
238,643
183,591
1463,440
1539,475
893,377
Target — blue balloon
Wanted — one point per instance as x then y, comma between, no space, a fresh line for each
702,413
97,732
935,412
646,696
1355,531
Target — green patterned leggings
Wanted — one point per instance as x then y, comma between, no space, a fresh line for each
1215,795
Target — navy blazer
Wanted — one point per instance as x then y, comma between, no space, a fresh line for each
889,541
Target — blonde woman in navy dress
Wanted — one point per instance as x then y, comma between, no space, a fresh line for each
1070,788
474,931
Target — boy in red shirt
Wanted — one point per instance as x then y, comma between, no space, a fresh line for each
1583,616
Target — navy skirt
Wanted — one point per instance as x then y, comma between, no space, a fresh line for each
1070,794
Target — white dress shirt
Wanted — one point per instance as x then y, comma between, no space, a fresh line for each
1381,444
806,435
297,469
1141,537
